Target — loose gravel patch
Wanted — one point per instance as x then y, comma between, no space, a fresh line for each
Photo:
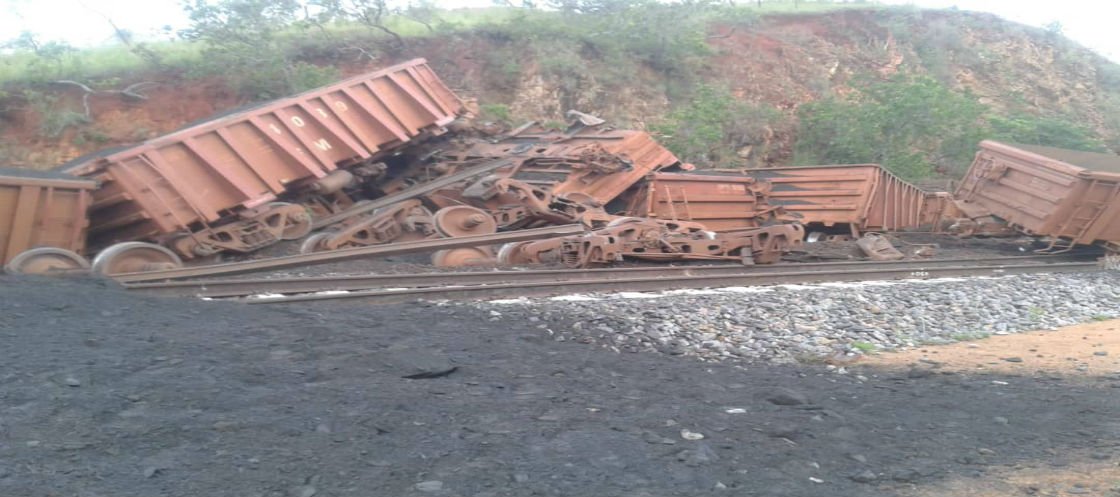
788,323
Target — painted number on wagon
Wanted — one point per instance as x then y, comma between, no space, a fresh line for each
919,274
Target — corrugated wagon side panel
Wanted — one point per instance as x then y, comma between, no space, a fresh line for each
719,202
243,160
895,205
135,201
42,213
825,195
1033,194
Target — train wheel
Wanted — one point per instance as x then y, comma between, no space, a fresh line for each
134,257
464,220
297,220
467,256
45,260
314,243
511,254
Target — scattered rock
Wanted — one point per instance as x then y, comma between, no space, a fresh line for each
919,372
860,458
654,438
72,381
1101,353
906,475
1013,359
702,454
1000,420
785,325
786,397
691,435
430,486
865,476
150,471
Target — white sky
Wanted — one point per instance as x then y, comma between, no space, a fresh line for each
82,22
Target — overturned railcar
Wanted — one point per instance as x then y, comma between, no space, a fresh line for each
219,185
1071,197
840,199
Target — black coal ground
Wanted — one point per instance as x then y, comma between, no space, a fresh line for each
108,393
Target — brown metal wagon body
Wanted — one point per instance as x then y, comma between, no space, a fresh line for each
42,210
855,198
215,182
1071,196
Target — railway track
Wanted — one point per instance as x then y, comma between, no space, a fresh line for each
500,284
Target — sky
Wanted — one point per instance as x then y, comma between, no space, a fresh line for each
84,22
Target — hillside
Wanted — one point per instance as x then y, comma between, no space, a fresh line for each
740,91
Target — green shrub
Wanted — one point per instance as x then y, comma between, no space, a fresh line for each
912,126
499,113
713,125
1049,131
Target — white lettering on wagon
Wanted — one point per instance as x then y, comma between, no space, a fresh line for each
323,144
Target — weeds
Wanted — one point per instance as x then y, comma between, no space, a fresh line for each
495,112
1036,313
865,347
967,337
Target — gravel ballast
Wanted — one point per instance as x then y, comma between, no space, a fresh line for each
788,323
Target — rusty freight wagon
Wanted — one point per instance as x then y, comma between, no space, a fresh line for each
1072,197
42,221
719,201
853,198
217,186
843,199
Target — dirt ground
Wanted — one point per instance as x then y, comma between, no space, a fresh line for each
1086,353
108,393
1085,350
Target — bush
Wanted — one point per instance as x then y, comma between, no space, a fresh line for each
1049,131
713,125
913,127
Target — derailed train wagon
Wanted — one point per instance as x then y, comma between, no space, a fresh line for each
720,201
215,186
846,199
42,220
854,198
1072,197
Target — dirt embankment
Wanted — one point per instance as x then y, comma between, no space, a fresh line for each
780,62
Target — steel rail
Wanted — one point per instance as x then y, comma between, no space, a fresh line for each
550,288
349,254
218,288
